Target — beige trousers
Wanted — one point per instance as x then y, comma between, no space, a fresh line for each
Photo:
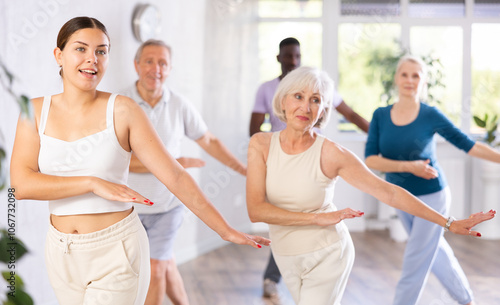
110,266
319,277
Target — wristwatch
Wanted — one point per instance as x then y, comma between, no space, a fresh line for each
450,220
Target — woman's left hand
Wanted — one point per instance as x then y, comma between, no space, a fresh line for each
464,226
241,238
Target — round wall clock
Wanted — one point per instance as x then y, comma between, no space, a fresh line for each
146,22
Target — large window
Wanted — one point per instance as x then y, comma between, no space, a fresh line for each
290,8
361,36
436,9
309,34
360,47
485,97
443,43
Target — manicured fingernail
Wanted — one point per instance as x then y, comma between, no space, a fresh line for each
259,246
133,198
478,235
151,202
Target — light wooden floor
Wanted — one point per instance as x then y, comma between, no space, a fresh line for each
233,274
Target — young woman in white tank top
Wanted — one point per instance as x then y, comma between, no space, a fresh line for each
75,154
290,180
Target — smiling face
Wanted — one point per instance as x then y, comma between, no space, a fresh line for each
409,79
302,108
153,67
84,59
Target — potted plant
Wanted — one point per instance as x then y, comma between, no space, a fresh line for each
488,188
11,248
491,126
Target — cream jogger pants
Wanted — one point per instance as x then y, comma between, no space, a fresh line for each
319,277
110,266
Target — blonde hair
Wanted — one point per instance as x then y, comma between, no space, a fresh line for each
423,68
302,78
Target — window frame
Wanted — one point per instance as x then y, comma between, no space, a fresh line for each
331,19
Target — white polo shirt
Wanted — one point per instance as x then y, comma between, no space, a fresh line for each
173,117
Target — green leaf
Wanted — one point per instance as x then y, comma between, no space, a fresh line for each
490,138
21,298
479,122
24,103
19,283
494,119
9,75
8,242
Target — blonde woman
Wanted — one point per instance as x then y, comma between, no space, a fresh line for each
401,143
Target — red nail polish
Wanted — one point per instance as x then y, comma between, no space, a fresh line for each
133,198
259,246
146,201
478,234
151,203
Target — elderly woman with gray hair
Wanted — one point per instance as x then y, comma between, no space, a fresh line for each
290,184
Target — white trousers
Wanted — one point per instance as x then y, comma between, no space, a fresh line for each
319,277
110,266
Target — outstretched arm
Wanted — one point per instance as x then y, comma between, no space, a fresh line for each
353,116
483,151
256,121
259,210
214,147
146,144
340,161
136,165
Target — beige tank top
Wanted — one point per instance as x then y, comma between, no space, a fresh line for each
297,183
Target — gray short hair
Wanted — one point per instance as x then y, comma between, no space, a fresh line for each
151,42
301,78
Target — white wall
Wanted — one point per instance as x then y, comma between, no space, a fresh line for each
28,32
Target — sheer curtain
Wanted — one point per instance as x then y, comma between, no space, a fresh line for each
230,83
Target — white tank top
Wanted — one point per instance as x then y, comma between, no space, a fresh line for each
99,155
296,183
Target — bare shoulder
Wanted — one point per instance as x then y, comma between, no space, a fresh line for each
36,104
122,99
258,148
126,106
334,150
334,157
261,140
